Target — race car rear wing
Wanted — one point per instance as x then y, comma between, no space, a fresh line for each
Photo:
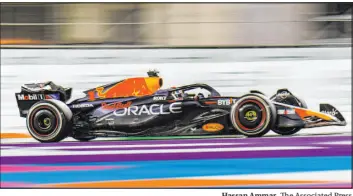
33,93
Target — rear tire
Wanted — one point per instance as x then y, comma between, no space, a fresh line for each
253,115
49,121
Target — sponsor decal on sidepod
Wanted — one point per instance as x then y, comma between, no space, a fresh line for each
85,105
212,127
286,111
154,109
116,106
226,101
159,98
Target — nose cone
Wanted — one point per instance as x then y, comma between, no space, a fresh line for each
154,83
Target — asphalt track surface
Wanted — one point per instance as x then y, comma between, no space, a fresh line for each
169,163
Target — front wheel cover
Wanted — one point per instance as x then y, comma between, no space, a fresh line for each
247,124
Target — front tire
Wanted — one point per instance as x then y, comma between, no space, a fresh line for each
253,115
49,121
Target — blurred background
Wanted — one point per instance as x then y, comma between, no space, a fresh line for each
85,45
112,41
176,24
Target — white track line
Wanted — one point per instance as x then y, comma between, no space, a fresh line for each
132,146
337,143
29,152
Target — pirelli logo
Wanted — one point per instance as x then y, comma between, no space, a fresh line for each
30,97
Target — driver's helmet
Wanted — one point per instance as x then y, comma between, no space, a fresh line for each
200,96
178,94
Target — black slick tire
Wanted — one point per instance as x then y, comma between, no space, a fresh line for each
253,115
49,121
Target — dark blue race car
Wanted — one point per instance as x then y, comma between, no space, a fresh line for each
139,107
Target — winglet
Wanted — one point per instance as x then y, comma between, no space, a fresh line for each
330,110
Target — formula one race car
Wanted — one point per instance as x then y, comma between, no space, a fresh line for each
138,107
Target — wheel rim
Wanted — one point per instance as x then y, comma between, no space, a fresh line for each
43,121
250,115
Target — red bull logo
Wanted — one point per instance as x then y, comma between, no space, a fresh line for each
127,88
116,106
